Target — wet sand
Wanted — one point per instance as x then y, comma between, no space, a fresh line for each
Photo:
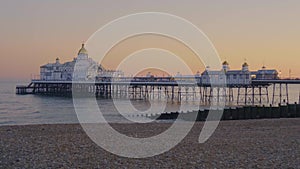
265,143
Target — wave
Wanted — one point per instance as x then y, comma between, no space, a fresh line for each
8,123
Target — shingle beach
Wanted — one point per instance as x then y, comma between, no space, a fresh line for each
265,143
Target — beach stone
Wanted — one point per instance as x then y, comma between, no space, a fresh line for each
263,143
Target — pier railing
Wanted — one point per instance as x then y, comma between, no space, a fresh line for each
256,93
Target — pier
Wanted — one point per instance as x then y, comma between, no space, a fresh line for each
256,93
86,77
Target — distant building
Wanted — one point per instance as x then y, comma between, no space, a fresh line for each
80,68
265,74
233,77
51,71
237,77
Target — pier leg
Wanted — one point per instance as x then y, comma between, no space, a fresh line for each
274,90
246,95
238,96
287,93
172,93
280,93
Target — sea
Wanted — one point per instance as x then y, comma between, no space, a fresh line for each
37,109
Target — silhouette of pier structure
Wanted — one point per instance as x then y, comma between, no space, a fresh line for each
258,92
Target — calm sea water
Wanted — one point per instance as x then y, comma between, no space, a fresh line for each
34,109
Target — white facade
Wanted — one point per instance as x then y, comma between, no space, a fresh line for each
81,68
266,74
237,77
233,77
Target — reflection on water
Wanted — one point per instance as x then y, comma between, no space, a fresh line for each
34,109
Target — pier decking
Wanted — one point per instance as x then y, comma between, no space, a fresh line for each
24,89
256,93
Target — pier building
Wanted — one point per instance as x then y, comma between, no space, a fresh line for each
242,87
265,74
86,68
233,77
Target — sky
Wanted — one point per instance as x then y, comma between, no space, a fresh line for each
262,32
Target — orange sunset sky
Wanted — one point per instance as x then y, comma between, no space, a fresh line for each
261,31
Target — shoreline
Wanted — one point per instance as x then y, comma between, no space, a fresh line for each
271,143
163,121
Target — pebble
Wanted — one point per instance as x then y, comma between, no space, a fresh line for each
235,144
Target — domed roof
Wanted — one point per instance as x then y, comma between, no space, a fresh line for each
82,50
225,63
245,64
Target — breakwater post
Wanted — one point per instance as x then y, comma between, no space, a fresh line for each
243,113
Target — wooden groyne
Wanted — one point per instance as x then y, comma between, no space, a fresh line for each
239,113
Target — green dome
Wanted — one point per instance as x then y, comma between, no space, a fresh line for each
82,50
245,64
225,63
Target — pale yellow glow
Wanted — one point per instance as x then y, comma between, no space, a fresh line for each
262,32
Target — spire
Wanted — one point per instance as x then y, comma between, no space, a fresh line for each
245,62
264,66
